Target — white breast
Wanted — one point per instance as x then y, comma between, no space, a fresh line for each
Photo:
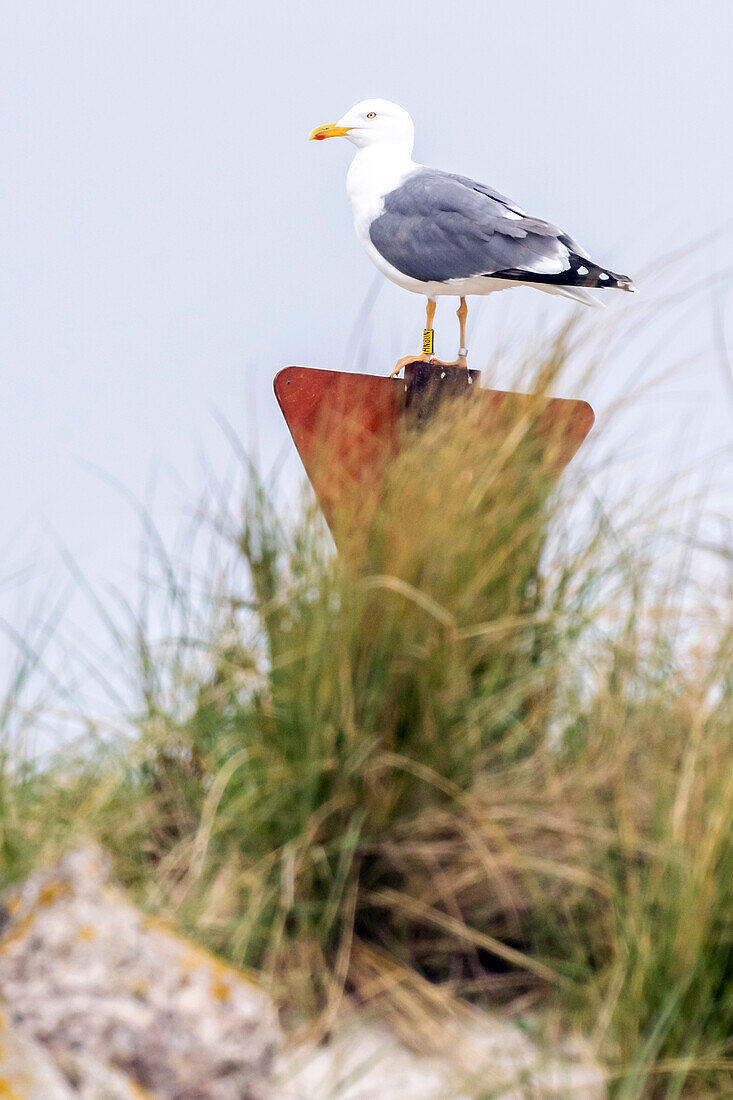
374,172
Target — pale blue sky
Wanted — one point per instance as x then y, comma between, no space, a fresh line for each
169,239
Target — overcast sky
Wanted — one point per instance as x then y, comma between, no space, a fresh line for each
169,239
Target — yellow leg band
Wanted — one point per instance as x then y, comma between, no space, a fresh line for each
427,341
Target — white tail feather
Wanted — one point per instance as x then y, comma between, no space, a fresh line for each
577,293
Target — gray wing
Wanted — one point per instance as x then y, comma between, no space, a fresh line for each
437,226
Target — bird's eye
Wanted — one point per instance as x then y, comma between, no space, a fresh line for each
372,114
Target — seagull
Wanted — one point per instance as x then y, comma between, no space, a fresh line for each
437,233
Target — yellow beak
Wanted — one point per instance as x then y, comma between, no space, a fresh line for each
329,130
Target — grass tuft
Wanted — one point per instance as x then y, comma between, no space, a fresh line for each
482,754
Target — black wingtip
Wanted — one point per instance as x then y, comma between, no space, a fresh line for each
622,282
581,272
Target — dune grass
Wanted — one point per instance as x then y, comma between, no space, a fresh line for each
483,754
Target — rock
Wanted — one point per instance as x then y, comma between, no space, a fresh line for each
27,1072
102,1003
481,1056
118,1002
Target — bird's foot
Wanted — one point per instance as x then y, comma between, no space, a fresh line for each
410,359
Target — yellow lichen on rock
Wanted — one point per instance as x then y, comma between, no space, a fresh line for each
16,932
7,1092
140,1093
52,891
220,990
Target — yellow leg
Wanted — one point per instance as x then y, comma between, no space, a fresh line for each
461,361
462,312
429,315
